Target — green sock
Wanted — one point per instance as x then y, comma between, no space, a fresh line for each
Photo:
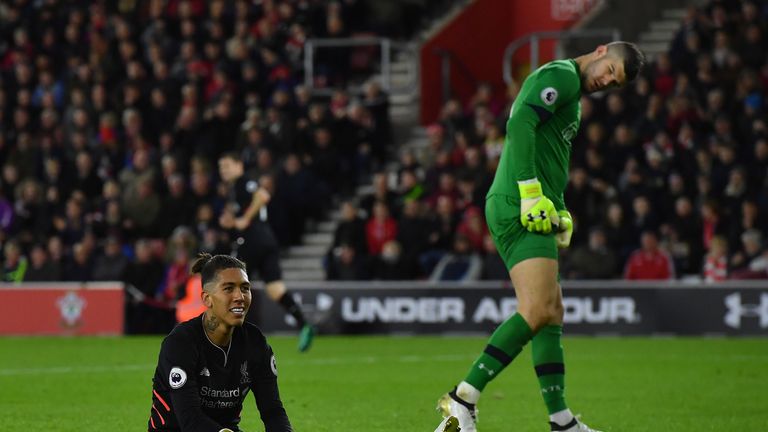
504,345
550,367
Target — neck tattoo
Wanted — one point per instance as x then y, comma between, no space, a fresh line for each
211,322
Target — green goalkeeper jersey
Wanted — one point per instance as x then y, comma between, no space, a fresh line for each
544,119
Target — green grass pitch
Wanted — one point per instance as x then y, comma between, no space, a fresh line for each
366,384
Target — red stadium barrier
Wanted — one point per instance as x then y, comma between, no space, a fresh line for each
62,309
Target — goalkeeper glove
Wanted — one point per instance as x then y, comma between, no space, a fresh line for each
564,227
536,210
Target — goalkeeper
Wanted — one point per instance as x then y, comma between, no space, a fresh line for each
528,220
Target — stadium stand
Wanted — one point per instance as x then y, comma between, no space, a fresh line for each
681,155
112,113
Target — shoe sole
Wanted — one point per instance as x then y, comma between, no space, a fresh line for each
451,425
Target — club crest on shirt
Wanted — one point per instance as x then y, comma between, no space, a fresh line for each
177,377
244,378
570,131
548,96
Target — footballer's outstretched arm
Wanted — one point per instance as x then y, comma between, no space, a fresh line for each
267,396
271,407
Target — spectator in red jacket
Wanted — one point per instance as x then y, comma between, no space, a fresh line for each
380,228
473,228
649,262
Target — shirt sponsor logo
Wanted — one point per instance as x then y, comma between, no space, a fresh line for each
221,399
177,377
548,96
738,310
218,404
214,393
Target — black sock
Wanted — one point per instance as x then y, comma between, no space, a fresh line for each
293,308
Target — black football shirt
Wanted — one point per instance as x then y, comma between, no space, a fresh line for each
258,232
200,387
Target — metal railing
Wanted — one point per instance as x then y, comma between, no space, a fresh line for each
447,58
387,48
535,37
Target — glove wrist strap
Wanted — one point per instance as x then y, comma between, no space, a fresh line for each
530,188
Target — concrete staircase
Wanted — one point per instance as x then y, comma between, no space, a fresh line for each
656,39
305,262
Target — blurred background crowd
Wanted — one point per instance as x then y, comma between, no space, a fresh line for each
668,176
112,115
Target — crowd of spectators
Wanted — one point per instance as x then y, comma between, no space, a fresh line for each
668,178
113,114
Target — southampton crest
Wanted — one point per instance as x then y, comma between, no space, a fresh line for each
71,307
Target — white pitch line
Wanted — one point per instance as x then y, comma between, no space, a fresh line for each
443,358
73,369
311,361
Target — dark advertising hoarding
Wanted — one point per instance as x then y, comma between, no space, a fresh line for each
426,309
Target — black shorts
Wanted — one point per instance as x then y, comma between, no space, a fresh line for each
264,260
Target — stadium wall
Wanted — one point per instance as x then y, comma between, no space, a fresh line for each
62,308
591,308
477,38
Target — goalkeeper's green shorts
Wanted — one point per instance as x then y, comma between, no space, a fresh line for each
513,241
